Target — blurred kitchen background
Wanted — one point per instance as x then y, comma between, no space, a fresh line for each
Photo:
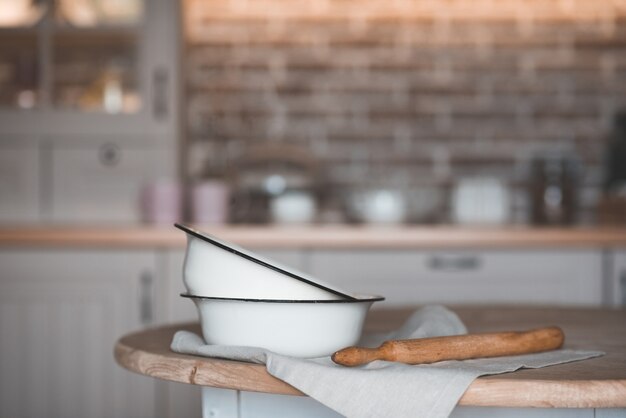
120,117
375,111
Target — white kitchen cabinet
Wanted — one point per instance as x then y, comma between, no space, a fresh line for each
555,277
61,312
92,158
95,76
616,294
100,182
19,181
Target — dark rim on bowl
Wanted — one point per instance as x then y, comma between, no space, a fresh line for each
223,246
354,300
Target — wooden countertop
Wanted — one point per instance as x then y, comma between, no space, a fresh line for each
593,383
324,236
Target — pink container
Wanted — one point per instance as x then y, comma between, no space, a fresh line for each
210,202
161,202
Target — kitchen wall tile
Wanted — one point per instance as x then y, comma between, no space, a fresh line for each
387,82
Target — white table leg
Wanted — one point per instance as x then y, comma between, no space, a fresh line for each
220,403
226,403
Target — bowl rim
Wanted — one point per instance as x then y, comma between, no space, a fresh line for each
363,299
225,246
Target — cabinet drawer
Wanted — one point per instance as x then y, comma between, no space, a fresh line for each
99,183
407,277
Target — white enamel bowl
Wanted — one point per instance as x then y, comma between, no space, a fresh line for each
216,268
297,328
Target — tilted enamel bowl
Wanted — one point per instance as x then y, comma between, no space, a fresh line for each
217,268
298,328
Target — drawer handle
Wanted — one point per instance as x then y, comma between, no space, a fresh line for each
160,81
454,263
623,288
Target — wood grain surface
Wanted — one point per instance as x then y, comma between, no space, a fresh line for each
593,383
321,236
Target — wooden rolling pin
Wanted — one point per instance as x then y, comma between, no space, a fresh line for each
457,347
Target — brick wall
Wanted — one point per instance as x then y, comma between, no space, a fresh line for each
387,89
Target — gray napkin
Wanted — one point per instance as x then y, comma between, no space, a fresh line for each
381,388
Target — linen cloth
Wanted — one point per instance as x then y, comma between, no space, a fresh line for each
381,388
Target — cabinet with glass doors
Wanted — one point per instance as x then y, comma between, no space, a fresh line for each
85,81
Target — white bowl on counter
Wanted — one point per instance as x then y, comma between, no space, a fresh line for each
378,206
298,328
217,268
293,208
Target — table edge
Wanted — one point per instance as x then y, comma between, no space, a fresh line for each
610,393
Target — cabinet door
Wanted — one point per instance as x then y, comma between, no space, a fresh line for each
19,182
112,72
60,315
406,277
99,183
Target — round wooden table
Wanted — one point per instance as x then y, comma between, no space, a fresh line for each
593,383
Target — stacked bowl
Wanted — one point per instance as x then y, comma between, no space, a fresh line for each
244,299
